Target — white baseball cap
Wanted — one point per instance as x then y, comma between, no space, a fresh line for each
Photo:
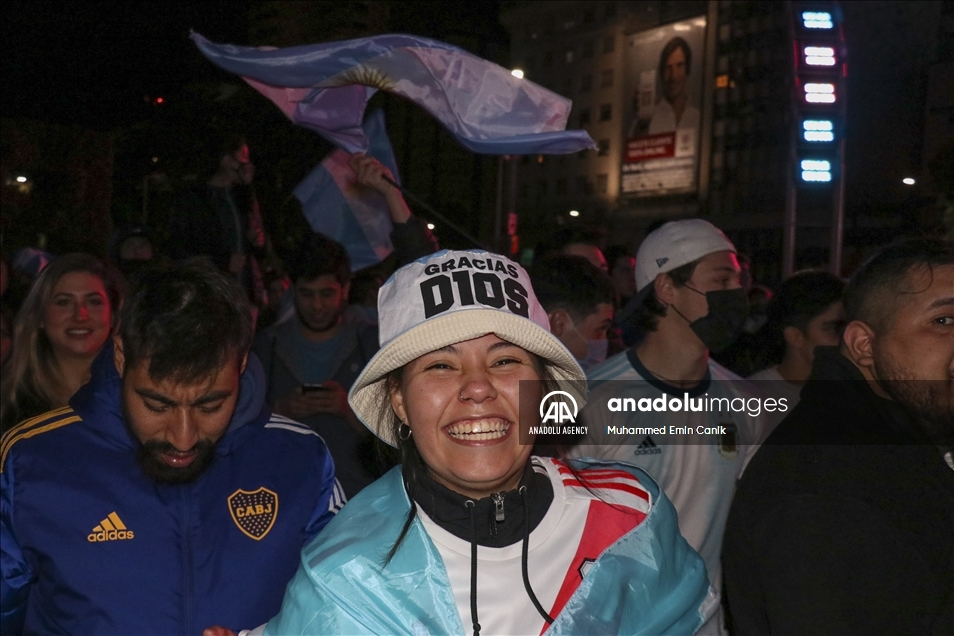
675,244
450,297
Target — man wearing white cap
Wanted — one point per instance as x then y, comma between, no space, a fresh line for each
688,302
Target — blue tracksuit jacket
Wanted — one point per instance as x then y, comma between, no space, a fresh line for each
90,545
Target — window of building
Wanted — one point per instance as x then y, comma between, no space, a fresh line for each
748,124
569,24
587,51
724,32
606,112
602,183
603,147
548,58
567,87
589,15
584,117
609,11
722,66
568,55
524,190
582,185
561,185
609,43
541,187
606,78
586,83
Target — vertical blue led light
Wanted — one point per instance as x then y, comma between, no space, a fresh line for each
816,170
817,20
820,130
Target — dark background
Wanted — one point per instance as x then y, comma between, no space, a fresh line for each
81,111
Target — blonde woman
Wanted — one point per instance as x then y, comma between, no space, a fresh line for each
61,327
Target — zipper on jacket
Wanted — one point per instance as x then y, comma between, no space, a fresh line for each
187,578
498,499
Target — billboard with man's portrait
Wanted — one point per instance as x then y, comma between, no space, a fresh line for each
663,101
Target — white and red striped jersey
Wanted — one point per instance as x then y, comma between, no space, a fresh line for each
590,511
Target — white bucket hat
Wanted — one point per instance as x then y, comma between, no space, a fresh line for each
450,297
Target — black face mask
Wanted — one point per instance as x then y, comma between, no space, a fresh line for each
728,309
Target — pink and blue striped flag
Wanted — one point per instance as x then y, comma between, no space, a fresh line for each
355,216
326,87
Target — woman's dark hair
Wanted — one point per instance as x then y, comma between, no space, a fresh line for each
798,300
413,468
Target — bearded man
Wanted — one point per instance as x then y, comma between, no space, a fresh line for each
844,521
166,497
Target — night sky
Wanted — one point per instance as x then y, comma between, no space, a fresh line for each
91,63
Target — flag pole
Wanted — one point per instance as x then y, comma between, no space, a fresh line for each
437,215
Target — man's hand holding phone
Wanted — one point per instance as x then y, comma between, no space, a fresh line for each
328,398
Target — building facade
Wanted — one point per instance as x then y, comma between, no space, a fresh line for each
602,56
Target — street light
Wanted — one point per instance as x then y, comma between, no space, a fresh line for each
574,213
517,73
908,181
430,226
21,179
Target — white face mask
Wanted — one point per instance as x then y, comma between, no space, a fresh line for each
596,350
595,354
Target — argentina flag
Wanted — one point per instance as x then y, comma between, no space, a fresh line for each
355,216
325,87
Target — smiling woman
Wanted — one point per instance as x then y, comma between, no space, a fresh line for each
64,322
472,528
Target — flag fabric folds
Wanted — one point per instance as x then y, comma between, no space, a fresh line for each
325,87
355,216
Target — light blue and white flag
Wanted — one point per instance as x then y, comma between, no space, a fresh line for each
325,87
338,207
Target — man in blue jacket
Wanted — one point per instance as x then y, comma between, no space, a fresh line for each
166,497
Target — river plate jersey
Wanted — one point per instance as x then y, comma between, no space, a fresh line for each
576,529
697,471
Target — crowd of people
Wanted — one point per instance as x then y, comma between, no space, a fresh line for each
196,437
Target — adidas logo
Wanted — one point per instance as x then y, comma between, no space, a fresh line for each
647,447
111,528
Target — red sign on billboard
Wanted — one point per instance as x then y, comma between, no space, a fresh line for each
658,146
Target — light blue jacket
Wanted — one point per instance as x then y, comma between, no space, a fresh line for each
649,582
